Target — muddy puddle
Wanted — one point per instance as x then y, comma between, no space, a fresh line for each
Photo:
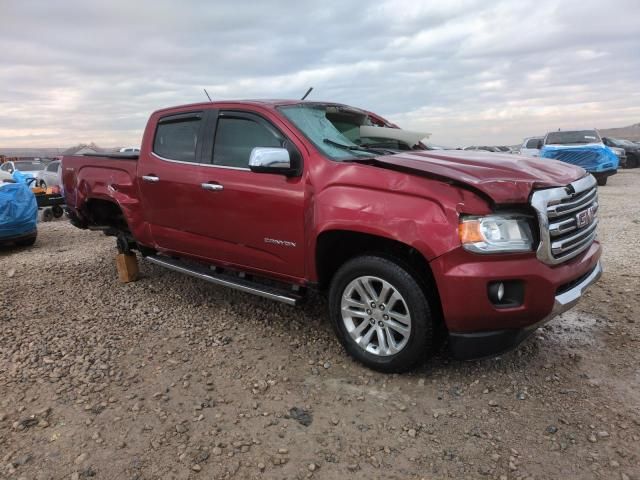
574,327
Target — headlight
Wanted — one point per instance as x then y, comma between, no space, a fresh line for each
496,233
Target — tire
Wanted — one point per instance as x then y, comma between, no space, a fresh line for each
57,211
27,242
602,181
47,215
410,304
632,161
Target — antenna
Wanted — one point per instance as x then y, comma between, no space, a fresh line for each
207,94
307,94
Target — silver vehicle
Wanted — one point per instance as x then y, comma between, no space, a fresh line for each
45,174
129,150
30,168
5,177
531,146
50,176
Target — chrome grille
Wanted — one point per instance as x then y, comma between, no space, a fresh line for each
568,219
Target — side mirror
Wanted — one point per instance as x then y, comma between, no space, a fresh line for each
271,160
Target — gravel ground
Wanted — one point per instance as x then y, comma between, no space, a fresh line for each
171,377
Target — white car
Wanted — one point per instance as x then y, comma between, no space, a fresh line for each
50,176
30,168
46,174
5,177
531,146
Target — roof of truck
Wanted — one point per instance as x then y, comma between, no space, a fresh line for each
263,102
272,103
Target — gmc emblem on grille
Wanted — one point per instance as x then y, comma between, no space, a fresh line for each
585,217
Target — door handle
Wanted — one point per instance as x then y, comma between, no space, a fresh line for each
150,178
214,187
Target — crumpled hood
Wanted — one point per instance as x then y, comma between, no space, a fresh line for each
505,178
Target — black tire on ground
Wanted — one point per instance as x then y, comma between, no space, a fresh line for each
421,338
27,242
632,161
47,215
602,181
57,211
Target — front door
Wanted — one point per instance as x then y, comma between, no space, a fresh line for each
257,219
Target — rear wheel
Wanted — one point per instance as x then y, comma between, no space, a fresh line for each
381,314
632,161
602,181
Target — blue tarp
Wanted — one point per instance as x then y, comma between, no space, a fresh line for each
22,177
18,210
593,158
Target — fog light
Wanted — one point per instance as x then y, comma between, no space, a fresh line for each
506,294
496,292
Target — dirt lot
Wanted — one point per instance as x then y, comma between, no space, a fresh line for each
170,377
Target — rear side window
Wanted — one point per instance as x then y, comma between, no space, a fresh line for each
53,167
177,137
236,137
533,143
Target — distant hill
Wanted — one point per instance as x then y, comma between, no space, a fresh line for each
52,152
31,152
632,132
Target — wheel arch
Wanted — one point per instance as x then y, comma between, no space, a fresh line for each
335,247
105,213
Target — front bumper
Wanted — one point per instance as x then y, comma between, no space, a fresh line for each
463,281
468,346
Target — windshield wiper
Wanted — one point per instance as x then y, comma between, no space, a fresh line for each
356,148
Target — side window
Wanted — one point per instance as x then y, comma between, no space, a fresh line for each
52,167
533,143
177,137
235,138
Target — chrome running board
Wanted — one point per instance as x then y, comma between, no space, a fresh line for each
226,280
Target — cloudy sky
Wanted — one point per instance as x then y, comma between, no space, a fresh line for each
469,72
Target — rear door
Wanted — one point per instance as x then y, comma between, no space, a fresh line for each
170,178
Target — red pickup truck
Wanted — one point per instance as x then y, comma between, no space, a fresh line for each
276,197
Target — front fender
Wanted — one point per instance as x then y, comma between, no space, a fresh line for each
426,223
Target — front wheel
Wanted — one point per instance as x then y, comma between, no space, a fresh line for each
381,314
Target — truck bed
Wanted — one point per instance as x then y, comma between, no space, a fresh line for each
98,177
120,155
